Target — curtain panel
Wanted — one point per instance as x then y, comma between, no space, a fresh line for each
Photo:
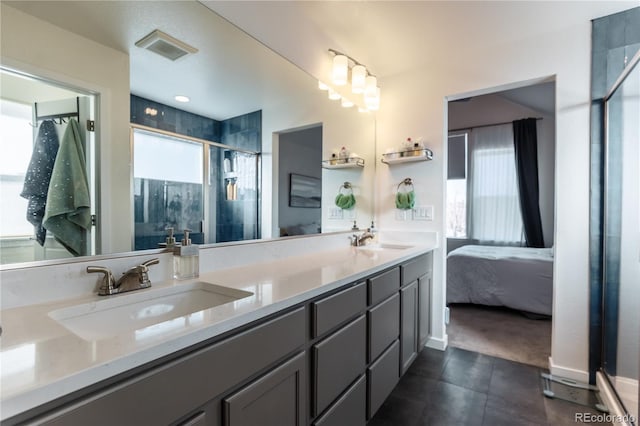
494,207
525,141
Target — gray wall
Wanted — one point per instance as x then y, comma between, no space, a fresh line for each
300,153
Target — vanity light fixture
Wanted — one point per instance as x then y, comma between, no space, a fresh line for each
340,70
333,95
182,98
362,81
346,103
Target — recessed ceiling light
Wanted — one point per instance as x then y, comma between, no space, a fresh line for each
182,98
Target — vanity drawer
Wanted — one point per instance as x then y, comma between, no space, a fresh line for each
350,409
384,325
337,361
415,268
382,377
334,310
383,285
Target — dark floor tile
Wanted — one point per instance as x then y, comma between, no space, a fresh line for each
416,387
561,413
430,363
397,411
500,411
454,405
468,369
512,380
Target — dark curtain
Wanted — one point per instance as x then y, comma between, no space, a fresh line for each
525,140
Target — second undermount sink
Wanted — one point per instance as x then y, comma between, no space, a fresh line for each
143,310
384,246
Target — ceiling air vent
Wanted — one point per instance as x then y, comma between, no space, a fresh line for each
165,45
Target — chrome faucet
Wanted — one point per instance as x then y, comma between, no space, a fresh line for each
360,240
134,278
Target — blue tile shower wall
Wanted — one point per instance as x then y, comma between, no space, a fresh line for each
174,120
242,132
615,39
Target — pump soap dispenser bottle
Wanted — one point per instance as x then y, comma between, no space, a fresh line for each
186,260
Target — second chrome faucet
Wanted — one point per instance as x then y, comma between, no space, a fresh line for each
134,278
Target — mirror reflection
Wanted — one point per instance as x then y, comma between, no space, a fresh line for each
255,119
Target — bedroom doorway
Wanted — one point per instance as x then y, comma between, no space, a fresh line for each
299,181
500,221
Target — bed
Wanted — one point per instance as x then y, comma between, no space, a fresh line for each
515,277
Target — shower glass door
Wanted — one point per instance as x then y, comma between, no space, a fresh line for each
622,238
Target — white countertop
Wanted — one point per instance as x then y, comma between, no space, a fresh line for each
42,360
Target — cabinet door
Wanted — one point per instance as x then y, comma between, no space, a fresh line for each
408,325
277,398
424,310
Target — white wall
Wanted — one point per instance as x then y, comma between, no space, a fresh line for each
41,49
490,109
529,54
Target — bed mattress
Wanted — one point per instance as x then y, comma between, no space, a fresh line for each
515,277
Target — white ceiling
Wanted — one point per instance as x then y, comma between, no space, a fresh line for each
230,75
390,37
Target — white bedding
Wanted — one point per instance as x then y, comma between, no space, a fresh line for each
516,277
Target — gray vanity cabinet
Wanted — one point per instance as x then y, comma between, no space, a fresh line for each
382,377
329,361
276,399
337,361
420,269
189,384
384,325
408,325
349,409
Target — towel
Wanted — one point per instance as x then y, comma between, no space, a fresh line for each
68,210
345,201
36,180
405,200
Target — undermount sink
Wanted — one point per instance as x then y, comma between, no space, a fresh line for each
163,308
384,246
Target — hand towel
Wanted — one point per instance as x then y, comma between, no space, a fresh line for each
36,180
405,200
345,201
68,210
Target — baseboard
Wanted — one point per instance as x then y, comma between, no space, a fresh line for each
569,373
617,414
440,344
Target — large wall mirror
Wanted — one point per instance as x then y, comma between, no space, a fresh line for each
88,49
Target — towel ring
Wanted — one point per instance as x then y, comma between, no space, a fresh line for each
407,184
347,187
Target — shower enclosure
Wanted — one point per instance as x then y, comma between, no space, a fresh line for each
621,237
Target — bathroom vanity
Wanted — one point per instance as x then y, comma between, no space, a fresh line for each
318,339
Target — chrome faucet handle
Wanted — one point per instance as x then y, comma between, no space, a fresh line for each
108,285
144,272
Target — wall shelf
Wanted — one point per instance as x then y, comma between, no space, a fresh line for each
343,163
407,156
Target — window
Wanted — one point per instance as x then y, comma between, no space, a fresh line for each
173,188
16,145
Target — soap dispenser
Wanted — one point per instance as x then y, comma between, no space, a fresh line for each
170,241
186,260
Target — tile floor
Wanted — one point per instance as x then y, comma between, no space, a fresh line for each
459,387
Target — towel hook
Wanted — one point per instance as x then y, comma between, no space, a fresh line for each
346,186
